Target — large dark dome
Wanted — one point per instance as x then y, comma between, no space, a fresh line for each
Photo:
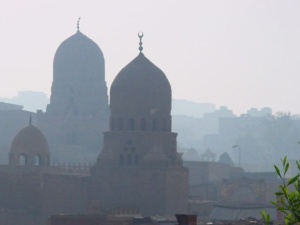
140,88
30,140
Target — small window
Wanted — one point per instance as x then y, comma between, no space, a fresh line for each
121,160
129,159
136,159
143,124
154,124
131,124
37,160
22,160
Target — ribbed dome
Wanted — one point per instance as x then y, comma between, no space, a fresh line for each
30,140
140,88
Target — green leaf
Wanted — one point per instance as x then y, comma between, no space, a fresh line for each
292,180
274,203
298,165
286,167
278,193
265,217
277,171
287,200
284,161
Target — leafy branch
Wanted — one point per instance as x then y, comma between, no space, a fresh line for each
288,201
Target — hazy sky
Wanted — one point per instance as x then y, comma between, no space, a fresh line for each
238,53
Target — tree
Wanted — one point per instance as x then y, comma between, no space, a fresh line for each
288,200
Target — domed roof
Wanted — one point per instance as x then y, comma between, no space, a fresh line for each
191,155
140,87
30,140
76,54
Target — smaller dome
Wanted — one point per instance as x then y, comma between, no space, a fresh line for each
30,140
208,155
191,155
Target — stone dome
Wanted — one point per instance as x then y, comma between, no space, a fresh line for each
191,155
78,75
30,140
29,147
77,54
140,88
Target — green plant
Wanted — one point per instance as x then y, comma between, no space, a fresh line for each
288,200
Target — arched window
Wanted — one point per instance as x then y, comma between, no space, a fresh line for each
37,160
143,124
121,160
131,124
154,124
129,159
22,159
136,159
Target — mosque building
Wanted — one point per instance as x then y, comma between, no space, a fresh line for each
78,112
139,166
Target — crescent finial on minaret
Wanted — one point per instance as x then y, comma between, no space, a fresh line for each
78,23
141,35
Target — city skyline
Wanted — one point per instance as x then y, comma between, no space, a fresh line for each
240,54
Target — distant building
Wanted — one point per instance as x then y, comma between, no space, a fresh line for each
266,111
191,155
219,192
10,107
30,100
77,115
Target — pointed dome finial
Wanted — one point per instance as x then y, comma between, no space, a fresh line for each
141,35
78,23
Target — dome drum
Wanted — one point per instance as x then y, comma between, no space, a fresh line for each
150,123
29,159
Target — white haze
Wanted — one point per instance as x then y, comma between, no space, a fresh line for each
236,53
